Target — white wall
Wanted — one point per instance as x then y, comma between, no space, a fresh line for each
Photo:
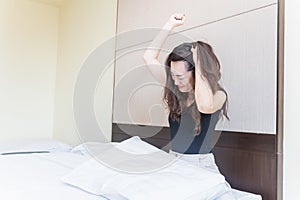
291,158
28,53
84,25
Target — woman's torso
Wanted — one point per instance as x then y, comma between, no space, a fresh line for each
183,137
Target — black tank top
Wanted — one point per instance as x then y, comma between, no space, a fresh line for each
183,138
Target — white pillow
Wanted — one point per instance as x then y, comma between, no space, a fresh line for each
135,145
175,179
33,146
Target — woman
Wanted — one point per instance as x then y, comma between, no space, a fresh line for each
192,93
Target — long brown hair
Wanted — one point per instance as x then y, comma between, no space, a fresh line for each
210,68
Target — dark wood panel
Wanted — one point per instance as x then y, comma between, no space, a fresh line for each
248,141
247,160
251,171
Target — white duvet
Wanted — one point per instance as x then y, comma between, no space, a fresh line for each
76,176
37,176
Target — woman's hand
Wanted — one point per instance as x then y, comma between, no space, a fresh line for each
176,20
195,52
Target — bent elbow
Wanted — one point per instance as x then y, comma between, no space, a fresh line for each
206,109
150,57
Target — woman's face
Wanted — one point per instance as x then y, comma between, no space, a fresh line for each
182,78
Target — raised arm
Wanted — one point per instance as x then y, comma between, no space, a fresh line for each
152,52
206,101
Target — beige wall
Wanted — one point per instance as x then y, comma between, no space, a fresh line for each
43,44
28,55
84,25
291,158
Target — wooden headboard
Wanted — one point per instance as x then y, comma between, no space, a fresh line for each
247,160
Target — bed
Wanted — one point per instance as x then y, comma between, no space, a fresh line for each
131,169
